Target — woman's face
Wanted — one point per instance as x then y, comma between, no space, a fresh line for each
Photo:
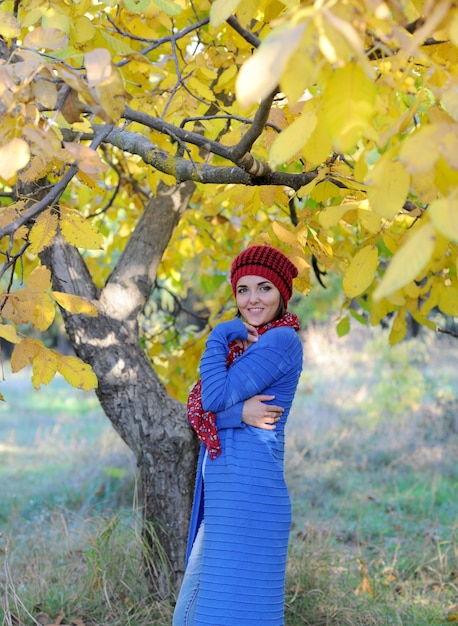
257,299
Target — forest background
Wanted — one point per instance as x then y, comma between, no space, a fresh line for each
144,143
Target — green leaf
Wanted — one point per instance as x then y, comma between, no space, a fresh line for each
168,7
343,327
137,6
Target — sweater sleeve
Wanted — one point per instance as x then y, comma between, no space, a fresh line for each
262,364
230,417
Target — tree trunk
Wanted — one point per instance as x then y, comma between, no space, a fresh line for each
152,423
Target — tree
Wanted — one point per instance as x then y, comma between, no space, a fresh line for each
144,143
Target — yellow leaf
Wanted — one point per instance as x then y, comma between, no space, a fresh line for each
47,38
44,366
87,158
75,304
444,215
227,76
409,261
43,231
33,15
284,233
111,95
369,220
220,10
78,231
77,373
450,101
421,150
291,140
9,333
348,106
453,33
45,92
388,186
246,12
332,215
22,354
399,327
319,146
301,69
325,190
44,311
83,30
39,280
307,189
448,300
9,26
53,18
361,272
13,156
98,66
260,75
200,88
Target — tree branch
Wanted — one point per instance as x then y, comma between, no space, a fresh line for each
444,331
255,130
176,132
243,32
182,169
135,272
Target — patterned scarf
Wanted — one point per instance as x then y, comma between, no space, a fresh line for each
204,422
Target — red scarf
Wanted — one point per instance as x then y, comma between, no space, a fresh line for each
204,422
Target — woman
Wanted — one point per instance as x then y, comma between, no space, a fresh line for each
241,516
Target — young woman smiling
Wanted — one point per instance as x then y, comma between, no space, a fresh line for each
241,516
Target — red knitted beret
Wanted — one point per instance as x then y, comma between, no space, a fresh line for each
269,263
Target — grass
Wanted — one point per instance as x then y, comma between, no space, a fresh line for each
371,464
374,481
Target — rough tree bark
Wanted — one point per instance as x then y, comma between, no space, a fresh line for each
151,423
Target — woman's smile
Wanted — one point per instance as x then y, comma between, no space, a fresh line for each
257,299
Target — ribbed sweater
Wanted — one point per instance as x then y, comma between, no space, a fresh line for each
245,501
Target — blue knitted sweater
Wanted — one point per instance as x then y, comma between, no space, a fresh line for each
245,501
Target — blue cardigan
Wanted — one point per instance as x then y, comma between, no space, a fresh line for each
245,502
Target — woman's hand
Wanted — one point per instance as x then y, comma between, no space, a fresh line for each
252,336
252,333
260,415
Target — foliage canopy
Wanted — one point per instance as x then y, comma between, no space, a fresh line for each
326,128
